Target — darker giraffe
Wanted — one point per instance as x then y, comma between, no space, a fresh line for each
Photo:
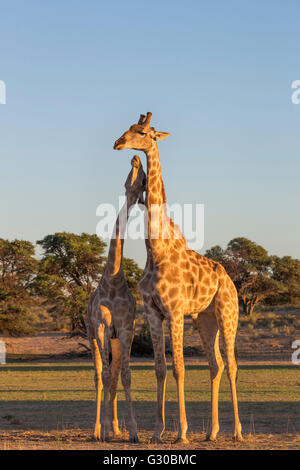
110,319
177,281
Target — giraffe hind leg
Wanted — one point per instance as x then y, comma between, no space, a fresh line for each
226,310
207,327
125,343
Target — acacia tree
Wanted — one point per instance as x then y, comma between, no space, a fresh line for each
250,268
260,287
286,270
69,271
18,267
132,273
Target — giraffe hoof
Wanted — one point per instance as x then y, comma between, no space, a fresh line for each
117,434
211,438
134,439
181,440
156,440
96,436
238,438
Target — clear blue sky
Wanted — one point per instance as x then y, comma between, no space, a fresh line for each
217,75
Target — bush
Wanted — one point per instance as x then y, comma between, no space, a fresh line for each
16,321
142,343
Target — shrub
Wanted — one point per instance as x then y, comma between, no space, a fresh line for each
16,321
142,343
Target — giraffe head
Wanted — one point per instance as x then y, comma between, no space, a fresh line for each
136,182
140,136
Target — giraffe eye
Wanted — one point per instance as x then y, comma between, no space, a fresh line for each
142,133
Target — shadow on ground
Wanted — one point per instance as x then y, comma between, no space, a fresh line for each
60,367
256,417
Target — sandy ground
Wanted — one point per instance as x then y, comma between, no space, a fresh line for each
45,345
81,440
59,345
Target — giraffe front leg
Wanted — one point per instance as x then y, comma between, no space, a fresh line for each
116,367
102,341
98,385
176,335
155,324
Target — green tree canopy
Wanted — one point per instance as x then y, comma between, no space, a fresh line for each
69,270
133,273
18,267
286,270
250,268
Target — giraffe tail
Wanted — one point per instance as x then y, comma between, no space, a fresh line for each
236,355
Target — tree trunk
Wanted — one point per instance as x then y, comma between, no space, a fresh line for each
244,304
250,308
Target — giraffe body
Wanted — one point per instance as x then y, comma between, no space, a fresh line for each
110,322
178,281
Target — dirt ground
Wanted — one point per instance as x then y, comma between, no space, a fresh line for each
81,440
42,346
267,336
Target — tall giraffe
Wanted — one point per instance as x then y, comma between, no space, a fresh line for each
178,281
110,319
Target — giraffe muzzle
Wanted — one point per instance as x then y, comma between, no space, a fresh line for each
119,144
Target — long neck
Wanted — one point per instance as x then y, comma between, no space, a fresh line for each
162,233
155,185
115,252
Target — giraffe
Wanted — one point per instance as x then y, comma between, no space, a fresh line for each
110,320
178,281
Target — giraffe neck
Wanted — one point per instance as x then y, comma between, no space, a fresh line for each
161,229
115,252
155,185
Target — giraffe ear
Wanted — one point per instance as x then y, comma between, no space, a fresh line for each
161,135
